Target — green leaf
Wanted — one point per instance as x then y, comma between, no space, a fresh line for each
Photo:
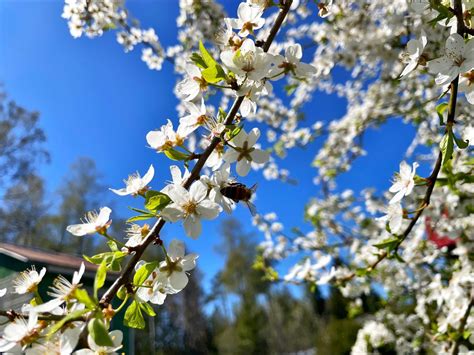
235,132
139,210
112,245
99,332
389,243
290,89
122,293
440,111
197,59
175,154
141,217
206,56
83,297
143,272
75,315
447,146
100,277
156,200
147,309
398,257
112,259
361,272
213,74
462,144
133,316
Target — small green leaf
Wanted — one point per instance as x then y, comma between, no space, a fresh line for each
206,56
141,217
143,272
112,259
197,59
235,132
156,200
147,309
133,316
290,89
83,297
447,146
213,74
462,144
361,272
440,111
175,154
389,243
99,333
75,315
100,277
122,293
112,245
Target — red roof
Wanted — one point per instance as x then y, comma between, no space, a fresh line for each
32,256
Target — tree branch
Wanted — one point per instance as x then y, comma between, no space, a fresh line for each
12,315
437,167
195,174
462,325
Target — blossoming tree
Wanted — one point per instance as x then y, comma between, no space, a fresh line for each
404,60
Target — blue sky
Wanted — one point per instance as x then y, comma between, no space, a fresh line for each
97,101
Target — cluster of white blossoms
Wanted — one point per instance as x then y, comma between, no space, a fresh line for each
94,17
400,59
239,66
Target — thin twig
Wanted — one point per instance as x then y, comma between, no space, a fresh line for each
462,325
12,315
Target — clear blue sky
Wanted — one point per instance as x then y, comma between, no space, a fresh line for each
97,101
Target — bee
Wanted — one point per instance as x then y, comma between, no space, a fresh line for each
239,192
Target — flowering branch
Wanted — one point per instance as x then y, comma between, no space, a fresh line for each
195,173
430,180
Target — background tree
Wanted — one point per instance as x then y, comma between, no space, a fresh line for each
21,141
80,192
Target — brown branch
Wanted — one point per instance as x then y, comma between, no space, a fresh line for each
12,315
462,325
195,174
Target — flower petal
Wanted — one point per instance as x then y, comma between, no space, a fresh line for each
260,156
176,249
148,176
208,209
198,191
192,227
243,167
178,280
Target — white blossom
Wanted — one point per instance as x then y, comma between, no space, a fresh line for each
20,332
250,19
191,86
115,335
177,264
414,54
394,217
404,182
458,59
62,291
197,117
93,223
28,280
291,63
135,184
191,206
244,152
